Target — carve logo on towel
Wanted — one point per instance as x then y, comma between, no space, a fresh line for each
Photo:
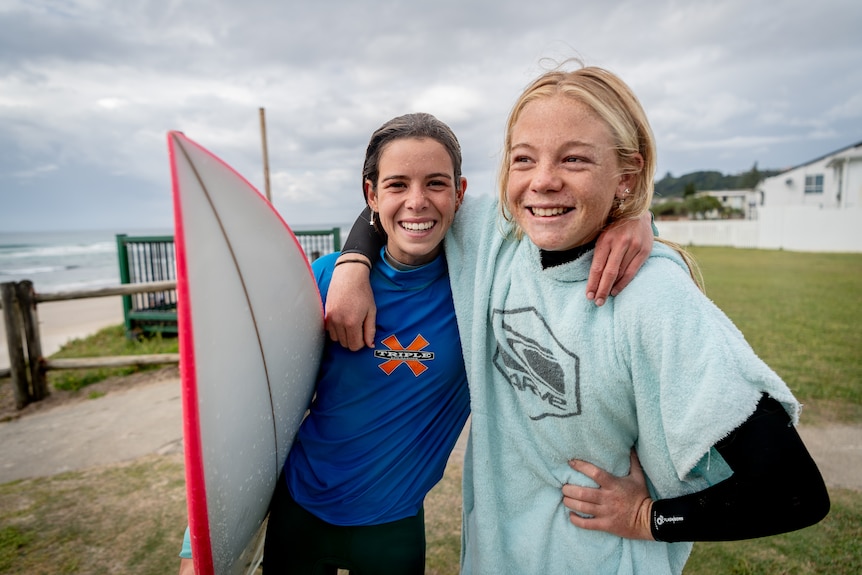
412,356
546,375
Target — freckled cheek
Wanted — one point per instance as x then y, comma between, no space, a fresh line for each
602,204
513,195
517,187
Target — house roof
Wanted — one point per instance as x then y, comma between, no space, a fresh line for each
823,157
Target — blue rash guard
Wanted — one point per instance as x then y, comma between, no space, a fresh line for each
383,421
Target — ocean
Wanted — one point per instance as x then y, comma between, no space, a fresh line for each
63,261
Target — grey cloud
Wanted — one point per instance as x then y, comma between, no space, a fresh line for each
89,89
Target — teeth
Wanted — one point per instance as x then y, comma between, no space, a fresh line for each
547,212
417,227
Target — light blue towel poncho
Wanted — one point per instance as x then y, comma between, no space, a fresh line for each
553,377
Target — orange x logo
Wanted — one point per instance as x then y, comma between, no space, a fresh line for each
413,355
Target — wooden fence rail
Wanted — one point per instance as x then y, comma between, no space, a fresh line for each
27,366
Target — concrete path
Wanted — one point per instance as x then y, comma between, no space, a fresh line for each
837,449
147,418
119,426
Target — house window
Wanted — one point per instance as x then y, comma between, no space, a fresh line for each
814,184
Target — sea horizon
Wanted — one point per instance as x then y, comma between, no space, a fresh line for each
58,261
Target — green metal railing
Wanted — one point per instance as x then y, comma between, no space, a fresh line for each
148,259
153,258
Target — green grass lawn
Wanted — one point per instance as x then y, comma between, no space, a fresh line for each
109,341
802,313
832,547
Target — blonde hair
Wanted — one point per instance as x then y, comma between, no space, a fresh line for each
614,102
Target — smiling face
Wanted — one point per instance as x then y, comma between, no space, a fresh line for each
416,197
563,173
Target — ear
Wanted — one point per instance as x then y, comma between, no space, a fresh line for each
628,181
459,192
624,187
370,195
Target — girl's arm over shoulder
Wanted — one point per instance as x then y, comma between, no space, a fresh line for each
350,309
351,312
620,252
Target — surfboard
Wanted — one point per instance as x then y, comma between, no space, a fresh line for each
251,333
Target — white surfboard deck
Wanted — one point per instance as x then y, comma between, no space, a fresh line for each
250,336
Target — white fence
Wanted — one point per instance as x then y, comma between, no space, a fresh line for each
792,228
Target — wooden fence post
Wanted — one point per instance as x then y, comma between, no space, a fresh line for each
30,317
12,323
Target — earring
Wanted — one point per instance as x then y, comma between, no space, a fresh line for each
371,221
621,201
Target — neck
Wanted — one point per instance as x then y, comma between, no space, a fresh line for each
401,267
551,259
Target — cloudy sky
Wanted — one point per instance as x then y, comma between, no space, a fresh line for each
89,89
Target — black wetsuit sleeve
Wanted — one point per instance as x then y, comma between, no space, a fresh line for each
364,238
775,487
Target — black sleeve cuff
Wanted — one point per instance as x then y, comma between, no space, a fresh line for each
364,238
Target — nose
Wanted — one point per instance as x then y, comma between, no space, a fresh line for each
545,178
416,198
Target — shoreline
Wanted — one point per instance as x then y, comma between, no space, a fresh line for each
63,321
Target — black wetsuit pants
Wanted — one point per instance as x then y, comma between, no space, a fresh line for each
299,543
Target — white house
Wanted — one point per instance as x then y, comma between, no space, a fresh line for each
744,201
831,181
816,206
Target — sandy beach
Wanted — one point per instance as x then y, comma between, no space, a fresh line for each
61,321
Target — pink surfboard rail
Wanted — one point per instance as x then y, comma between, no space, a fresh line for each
250,336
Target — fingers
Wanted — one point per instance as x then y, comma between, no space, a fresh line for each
608,277
580,493
624,271
618,505
587,521
349,332
332,331
352,330
600,257
594,472
608,257
587,506
355,339
370,327
620,252
352,335
639,250
586,503
350,308
584,513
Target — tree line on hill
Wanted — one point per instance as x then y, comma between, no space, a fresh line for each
670,187
677,197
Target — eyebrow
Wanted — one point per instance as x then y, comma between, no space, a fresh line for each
568,144
426,176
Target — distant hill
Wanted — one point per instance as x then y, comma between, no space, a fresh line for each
670,187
